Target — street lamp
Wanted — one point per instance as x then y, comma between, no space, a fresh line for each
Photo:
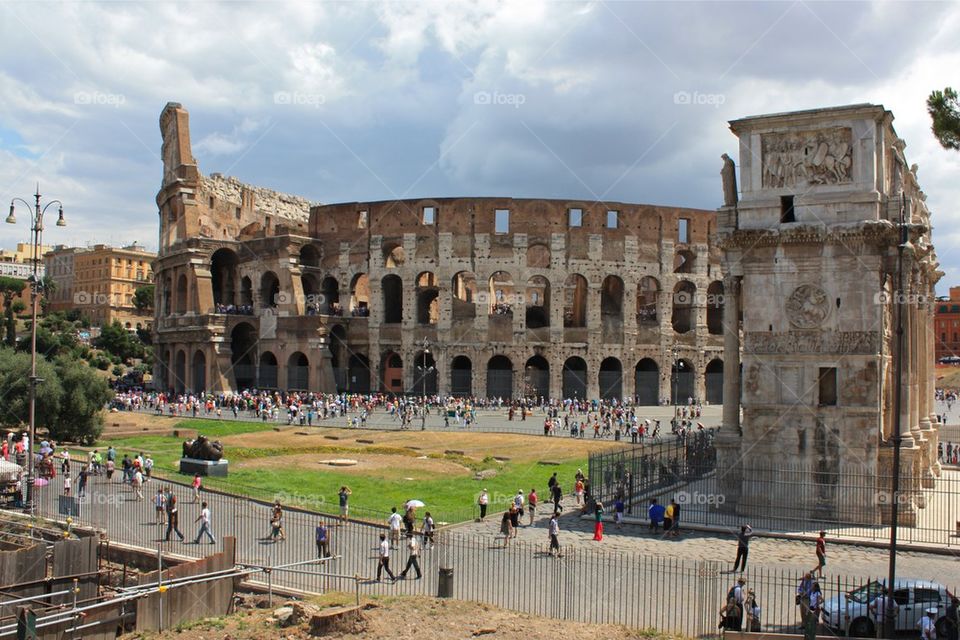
676,386
424,370
36,289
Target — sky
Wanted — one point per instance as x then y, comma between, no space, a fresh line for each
355,101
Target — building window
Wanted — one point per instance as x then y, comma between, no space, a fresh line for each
576,217
361,220
943,337
683,230
429,215
787,213
828,387
613,219
501,221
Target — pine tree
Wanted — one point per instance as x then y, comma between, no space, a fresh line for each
944,109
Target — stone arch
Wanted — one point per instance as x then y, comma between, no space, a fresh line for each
684,293
298,371
536,374
610,378
246,293
391,366
461,377
538,302
464,290
425,374
269,290
338,356
428,298
502,294
309,256
575,301
311,293
181,294
358,373
180,372
243,355
393,255
223,277
647,382
392,289
684,261
681,381
648,294
330,296
715,308
713,381
360,295
575,378
167,301
611,297
199,371
500,377
267,371
538,256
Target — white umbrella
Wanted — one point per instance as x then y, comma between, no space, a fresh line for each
415,503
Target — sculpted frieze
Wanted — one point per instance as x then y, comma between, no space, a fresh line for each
800,158
799,342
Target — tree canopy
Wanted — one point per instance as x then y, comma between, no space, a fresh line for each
944,109
143,297
116,340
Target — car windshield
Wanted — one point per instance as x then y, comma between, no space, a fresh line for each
865,594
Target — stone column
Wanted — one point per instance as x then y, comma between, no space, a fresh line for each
731,359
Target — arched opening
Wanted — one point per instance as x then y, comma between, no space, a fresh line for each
611,379
683,312
392,287
199,372
269,290
311,294
330,296
648,293
715,308
425,374
684,261
713,381
181,294
575,378
298,372
180,372
611,298
538,256
223,277
167,309
500,378
501,294
267,378
359,374
393,256
428,299
461,377
360,296
338,356
243,356
392,367
647,383
681,382
575,301
309,256
246,295
464,290
536,375
538,302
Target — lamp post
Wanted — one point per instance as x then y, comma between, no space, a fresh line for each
424,371
676,386
36,289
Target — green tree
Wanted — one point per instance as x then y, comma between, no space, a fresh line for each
143,297
944,109
15,389
79,416
11,334
117,341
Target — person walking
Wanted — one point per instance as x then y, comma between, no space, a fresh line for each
394,522
554,532
506,528
532,500
413,560
815,605
927,625
137,484
82,481
743,548
66,484
344,497
557,492
205,528
598,522
173,518
655,512
803,597
323,541
675,525
518,505
196,488
618,509
384,560
821,554
427,530
482,501
159,506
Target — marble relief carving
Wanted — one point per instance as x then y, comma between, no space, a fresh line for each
794,159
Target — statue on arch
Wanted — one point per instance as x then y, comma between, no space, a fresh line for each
729,176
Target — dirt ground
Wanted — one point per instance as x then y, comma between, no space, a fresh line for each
404,619
948,377
383,465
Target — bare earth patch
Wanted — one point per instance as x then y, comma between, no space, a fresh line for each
376,465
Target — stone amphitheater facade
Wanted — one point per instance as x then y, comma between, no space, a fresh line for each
496,297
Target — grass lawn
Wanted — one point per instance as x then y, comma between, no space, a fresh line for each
436,467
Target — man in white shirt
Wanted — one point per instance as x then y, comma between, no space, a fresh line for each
928,628
204,520
554,530
414,559
384,561
482,501
882,606
394,521
518,502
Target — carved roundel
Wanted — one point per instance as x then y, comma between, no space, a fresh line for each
807,307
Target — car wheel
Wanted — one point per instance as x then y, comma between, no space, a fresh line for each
861,628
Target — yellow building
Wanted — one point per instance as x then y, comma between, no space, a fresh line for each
18,263
100,281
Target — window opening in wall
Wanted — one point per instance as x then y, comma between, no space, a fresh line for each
787,213
501,222
211,202
828,387
576,217
361,220
429,215
613,219
683,230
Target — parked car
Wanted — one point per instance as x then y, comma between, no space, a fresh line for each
849,613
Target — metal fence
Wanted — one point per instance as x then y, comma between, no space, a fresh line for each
585,584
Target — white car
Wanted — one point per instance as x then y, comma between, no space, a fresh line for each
850,614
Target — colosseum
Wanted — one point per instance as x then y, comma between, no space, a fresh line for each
495,297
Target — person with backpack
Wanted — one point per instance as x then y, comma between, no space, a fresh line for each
323,541
738,595
173,517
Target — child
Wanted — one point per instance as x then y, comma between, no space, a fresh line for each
618,510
